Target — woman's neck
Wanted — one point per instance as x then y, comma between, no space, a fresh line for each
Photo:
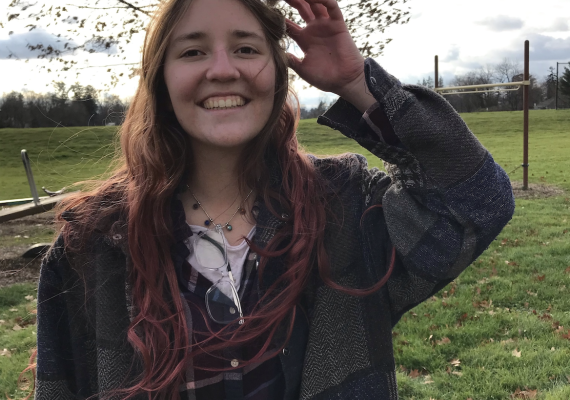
214,184
215,175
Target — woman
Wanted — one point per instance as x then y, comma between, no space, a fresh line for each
222,262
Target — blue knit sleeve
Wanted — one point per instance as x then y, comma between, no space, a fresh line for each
447,199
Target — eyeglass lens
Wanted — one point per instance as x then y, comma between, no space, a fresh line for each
222,300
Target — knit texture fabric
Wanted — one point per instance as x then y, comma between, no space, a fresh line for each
443,201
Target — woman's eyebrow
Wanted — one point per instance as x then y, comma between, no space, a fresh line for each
201,35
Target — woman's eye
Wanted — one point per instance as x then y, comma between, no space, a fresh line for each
249,50
191,53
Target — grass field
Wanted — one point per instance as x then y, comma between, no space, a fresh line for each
500,331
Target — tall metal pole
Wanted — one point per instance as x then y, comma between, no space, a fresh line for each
436,72
525,108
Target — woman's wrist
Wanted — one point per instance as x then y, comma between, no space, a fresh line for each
358,95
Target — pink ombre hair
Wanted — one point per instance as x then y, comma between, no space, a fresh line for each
155,157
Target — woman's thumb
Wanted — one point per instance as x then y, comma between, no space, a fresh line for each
294,62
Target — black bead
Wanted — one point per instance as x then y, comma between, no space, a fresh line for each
207,222
195,206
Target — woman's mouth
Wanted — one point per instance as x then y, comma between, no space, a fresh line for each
224,103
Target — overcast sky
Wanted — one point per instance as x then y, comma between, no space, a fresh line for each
465,34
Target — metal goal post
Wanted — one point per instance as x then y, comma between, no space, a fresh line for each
503,87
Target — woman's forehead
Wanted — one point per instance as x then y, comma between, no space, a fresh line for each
207,18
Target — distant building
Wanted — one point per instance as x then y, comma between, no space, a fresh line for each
546,104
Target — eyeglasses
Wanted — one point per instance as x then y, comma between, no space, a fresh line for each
222,300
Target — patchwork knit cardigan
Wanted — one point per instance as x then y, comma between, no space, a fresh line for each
443,200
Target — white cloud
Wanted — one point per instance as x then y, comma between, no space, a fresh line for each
453,53
542,48
560,25
502,23
16,45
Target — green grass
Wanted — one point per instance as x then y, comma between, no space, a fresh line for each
59,157
16,311
514,298
501,133
63,156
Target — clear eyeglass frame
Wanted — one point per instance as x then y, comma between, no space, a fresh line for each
222,299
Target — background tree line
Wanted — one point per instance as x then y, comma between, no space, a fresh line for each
79,106
316,111
75,105
542,93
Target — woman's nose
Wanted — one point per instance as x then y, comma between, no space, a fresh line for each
222,67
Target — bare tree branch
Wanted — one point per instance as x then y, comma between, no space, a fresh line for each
105,66
129,5
104,8
112,33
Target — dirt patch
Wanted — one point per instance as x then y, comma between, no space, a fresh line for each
16,237
536,190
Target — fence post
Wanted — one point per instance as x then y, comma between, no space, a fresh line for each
525,116
28,167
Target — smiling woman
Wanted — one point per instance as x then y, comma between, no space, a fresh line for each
214,58
220,261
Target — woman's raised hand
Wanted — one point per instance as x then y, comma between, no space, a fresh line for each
332,62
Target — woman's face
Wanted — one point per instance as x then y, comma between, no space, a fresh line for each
220,74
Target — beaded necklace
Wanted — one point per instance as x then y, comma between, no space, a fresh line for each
210,220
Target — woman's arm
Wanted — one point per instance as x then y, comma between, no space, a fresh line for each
447,199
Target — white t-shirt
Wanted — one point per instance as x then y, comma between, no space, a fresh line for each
236,257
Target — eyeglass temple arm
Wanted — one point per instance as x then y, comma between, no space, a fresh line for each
219,247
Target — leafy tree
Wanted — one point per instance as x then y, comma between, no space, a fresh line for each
315,112
474,101
12,111
111,111
30,109
85,97
428,82
37,109
551,84
113,24
564,87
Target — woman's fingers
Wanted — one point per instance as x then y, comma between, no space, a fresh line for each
294,32
292,26
331,6
304,9
319,10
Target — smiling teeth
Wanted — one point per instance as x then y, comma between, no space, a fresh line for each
224,102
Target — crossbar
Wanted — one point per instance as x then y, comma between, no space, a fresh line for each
485,85
443,93
526,86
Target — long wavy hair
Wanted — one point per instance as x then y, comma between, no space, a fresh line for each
155,157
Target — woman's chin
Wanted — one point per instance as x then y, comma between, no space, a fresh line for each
229,143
